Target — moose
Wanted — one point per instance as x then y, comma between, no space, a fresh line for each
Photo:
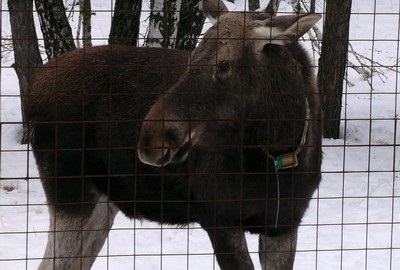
228,137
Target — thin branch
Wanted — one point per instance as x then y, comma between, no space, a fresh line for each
71,12
6,46
367,67
297,8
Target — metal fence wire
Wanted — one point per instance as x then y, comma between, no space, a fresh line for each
93,124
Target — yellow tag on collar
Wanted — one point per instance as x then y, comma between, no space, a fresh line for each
286,161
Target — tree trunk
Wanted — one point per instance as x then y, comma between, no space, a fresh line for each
254,4
273,7
163,26
25,45
189,26
86,13
57,33
312,6
332,63
125,23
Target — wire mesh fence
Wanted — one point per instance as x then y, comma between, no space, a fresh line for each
352,221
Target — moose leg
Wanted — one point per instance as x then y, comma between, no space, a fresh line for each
76,239
230,247
277,252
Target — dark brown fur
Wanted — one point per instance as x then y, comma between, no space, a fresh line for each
86,110
242,99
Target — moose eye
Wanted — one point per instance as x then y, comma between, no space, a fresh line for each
223,66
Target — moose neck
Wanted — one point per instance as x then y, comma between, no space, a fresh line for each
276,105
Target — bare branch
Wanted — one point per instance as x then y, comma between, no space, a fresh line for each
6,46
367,67
297,8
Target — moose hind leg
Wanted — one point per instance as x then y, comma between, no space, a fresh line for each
278,252
230,248
75,240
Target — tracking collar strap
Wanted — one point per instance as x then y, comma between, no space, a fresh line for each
290,160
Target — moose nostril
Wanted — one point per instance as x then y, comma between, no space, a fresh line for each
154,152
165,156
160,142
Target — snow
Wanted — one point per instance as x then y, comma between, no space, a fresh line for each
353,221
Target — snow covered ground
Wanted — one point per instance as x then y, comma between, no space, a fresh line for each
353,221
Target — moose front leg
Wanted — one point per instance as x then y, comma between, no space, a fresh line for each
230,248
75,239
278,252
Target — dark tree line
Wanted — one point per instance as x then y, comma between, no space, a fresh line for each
181,33
58,37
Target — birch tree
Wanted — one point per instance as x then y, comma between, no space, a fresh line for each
273,7
84,23
163,23
190,25
57,33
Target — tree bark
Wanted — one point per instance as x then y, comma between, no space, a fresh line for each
86,12
254,4
189,26
25,46
125,23
57,33
312,6
273,7
163,26
332,63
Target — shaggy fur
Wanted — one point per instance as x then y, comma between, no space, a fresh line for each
202,128
242,95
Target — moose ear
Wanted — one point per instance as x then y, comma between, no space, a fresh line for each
282,30
213,9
